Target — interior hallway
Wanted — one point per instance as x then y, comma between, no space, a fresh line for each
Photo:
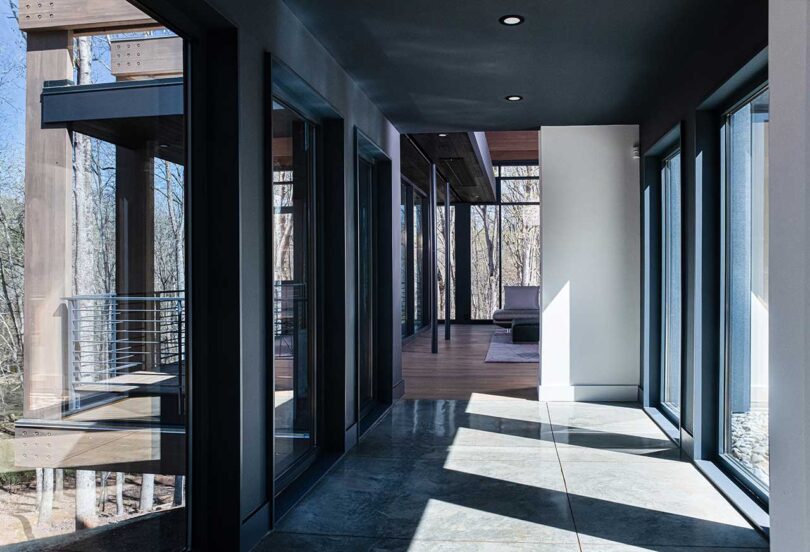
514,474
459,369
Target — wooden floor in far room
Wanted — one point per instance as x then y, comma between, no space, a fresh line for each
459,370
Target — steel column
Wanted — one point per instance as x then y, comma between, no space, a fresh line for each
434,272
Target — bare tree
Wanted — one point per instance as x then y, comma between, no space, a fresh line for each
119,493
46,504
147,498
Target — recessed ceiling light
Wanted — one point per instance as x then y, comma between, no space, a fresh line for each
514,98
442,135
511,20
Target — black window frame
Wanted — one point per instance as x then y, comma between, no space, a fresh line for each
284,479
412,191
498,204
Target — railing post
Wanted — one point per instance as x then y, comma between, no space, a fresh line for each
73,397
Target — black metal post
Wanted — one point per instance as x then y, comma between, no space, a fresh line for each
434,272
447,252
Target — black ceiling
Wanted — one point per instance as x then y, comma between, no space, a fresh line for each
442,65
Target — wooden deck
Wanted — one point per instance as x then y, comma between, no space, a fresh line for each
459,369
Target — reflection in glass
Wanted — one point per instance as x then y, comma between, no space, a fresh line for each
403,257
745,162
93,385
419,240
365,287
671,272
292,211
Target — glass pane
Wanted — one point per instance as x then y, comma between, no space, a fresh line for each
403,260
292,189
520,191
520,245
440,256
671,270
484,260
511,171
365,281
93,395
419,216
746,386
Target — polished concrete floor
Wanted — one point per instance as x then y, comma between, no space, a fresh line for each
492,473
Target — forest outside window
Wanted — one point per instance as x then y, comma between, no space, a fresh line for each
505,238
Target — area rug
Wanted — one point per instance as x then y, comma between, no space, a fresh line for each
501,349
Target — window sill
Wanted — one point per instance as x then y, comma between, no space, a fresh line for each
729,488
664,423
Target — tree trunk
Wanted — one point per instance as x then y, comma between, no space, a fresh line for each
59,483
119,494
147,492
85,499
46,503
86,247
39,486
179,490
102,499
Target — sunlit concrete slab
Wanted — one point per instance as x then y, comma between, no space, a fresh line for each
652,504
587,547
514,475
328,543
424,500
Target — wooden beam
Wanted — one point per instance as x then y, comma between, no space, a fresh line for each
146,58
82,15
48,216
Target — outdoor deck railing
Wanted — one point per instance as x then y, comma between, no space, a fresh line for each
111,337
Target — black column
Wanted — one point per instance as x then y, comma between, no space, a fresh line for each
433,271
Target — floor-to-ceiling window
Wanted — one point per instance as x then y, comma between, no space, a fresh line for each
505,238
366,285
446,281
414,259
404,289
94,367
293,274
744,409
671,284
419,257
485,261
519,189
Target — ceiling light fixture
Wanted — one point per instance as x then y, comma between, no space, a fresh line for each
514,98
442,135
511,20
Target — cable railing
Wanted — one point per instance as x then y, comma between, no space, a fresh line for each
125,343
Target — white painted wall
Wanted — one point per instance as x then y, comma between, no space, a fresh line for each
789,264
591,263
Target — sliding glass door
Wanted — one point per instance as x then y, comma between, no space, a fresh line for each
366,286
293,274
414,259
744,419
671,285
